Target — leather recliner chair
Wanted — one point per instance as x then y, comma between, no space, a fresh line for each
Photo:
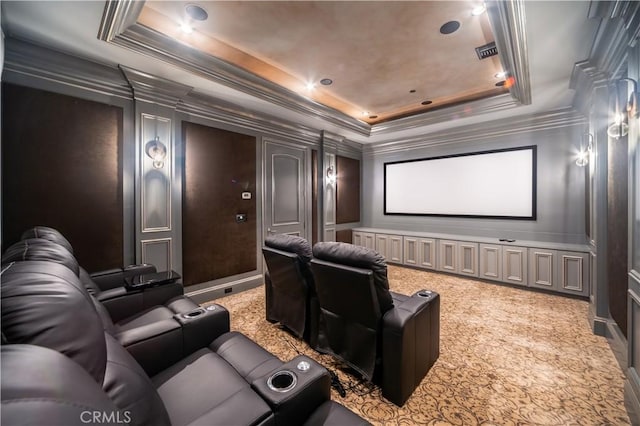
176,328
109,286
389,338
290,294
48,317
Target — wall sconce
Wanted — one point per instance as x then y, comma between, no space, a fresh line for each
331,175
157,152
584,155
620,126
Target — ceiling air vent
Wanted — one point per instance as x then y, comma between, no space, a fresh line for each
487,50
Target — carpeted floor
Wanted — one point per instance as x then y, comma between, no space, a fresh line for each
507,357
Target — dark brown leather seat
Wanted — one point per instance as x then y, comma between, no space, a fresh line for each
49,318
290,294
389,338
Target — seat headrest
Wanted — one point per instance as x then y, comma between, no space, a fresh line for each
359,257
290,243
47,233
40,249
41,386
44,304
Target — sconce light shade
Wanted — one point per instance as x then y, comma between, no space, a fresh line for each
620,126
585,153
331,175
157,152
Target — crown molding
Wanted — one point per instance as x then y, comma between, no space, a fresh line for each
468,109
119,27
553,119
25,59
223,112
585,77
508,22
619,29
150,88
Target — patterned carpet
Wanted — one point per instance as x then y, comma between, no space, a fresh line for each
507,357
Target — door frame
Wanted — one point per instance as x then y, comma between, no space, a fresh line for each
307,182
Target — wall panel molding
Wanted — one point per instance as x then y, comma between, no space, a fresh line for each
157,251
516,125
155,184
28,60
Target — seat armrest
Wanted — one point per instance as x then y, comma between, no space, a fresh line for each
122,303
410,344
295,390
155,346
202,326
111,278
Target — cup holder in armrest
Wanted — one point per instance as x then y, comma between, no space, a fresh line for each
426,294
193,314
282,381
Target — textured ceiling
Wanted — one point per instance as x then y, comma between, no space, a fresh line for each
385,58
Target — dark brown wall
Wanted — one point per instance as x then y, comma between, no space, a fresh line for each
62,167
617,234
344,236
347,190
219,166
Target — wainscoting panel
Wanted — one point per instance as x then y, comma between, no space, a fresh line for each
156,181
157,252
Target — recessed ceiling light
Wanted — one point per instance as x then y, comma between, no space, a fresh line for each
412,91
311,86
196,12
501,83
426,102
186,28
365,113
478,10
326,81
450,27
373,116
501,74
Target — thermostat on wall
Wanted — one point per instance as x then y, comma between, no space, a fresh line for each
246,195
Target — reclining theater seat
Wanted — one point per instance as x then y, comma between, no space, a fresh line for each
109,286
162,329
389,338
58,363
289,288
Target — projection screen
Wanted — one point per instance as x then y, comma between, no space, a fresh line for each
499,184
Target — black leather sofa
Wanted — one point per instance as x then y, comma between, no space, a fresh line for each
176,328
389,338
110,286
49,318
290,295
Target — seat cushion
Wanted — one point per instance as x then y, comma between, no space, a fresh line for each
249,359
203,389
359,257
130,388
